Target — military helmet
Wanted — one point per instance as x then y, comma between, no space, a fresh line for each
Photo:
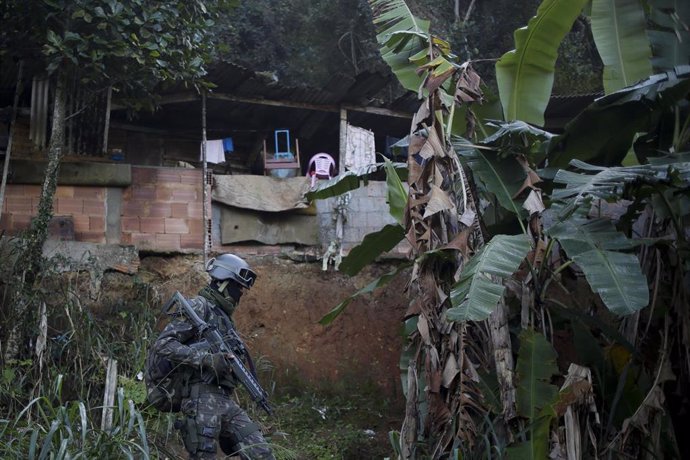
229,266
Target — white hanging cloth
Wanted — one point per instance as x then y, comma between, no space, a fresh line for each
360,147
215,153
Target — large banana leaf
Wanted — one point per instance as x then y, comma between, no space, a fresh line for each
604,131
669,38
402,37
396,193
480,287
535,366
377,283
372,246
615,276
501,176
351,180
525,75
607,183
619,30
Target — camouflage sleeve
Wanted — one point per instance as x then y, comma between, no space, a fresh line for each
171,344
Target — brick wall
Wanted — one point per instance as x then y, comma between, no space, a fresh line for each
162,210
84,206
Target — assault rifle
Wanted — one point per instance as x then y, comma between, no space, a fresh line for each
230,348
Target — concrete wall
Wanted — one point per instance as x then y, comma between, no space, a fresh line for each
366,212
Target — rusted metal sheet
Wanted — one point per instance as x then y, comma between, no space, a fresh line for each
241,225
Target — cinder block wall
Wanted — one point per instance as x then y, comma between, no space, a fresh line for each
367,212
161,211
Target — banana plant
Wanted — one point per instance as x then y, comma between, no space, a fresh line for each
619,30
525,75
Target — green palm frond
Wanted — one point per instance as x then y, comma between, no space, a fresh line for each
403,38
480,287
525,75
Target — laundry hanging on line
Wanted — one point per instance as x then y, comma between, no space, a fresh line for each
361,148
215,152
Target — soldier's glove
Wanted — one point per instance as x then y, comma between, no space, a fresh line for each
217,362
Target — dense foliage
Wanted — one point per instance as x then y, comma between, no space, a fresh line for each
546,291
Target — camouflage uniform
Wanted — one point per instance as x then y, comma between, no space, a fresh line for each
211,416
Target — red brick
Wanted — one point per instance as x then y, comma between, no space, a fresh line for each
68,206
179,210
196,210
126,238
163,193
65,191
152,225
81,223
196,226
32,190
20,221
146,192
178,226
90,237
168,242
158,209
143,175
167,175
18,205
192,242
130,224
137,208
142,240
93,193
14,190
191,176
61,228
184,194
94,207
97,224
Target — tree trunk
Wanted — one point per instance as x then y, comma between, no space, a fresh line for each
22,316
38,232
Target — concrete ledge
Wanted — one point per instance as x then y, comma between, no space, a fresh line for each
24,171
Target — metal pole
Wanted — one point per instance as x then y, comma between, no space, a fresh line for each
204,172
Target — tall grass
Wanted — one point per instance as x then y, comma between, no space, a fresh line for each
51,391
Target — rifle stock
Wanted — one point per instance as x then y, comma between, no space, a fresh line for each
218,345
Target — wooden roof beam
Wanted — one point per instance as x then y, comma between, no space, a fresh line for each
192,97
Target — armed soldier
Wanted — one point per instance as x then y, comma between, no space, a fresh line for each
206,379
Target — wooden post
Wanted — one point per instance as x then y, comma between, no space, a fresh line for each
343,140
106,127
204,172
109,395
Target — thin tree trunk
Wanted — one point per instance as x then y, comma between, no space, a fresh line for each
29,262
503,356
13,122
39,226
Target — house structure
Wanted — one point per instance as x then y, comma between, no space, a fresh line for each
147,184
194,176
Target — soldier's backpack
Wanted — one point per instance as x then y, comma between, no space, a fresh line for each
166,384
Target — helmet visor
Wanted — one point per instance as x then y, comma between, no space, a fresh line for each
247,276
